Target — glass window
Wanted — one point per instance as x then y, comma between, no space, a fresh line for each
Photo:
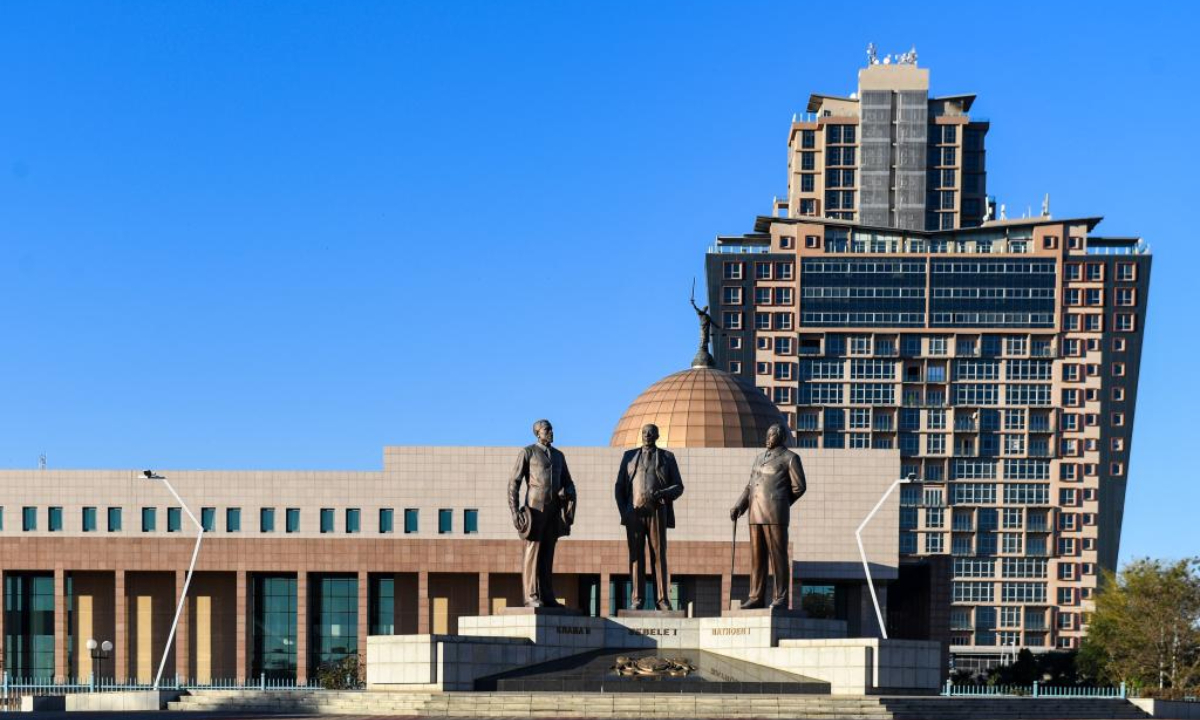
54,521
174,519
274,627
334,619
411,520
382,602
470,521
89,519
445,521
266,520
387,522
114,519
353,520
293,520
233,520
28,519
208,519
326,520
149,519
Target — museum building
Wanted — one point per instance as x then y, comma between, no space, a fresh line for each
297,568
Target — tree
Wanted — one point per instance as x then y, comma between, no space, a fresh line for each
1146,627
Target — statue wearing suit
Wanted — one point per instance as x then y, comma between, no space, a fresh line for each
776,481
545,515
648,483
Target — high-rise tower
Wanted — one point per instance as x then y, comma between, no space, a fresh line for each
889,155
999,356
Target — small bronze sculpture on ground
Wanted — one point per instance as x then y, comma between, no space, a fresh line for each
648,484
545,515
776,482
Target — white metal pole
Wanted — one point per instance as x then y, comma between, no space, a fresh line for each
863,553
187,581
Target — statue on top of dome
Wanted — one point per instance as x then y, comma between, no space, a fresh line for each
703,357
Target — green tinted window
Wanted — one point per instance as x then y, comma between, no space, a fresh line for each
411,520
233,520
89,519
149,519
445,521
174,519
54,520
266,520
28,519
470,521
386,520
353,520
293,520
326,520
114,519
208,519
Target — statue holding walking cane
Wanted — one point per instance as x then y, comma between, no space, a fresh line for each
776,482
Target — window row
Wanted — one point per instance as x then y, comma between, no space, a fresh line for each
352,520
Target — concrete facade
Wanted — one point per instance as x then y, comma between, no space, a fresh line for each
122,584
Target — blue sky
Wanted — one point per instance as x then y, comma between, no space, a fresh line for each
283,235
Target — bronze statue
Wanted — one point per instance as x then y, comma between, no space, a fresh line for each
648,483
546,514
703,357
776,481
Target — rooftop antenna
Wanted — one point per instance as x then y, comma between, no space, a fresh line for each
42,461
1046,206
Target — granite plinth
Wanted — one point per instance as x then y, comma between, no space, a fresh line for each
492,645
779,612
651,614
596,672
524,610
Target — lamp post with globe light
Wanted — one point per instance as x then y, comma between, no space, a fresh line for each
99,651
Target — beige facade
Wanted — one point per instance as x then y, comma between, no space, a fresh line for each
832,152
122,584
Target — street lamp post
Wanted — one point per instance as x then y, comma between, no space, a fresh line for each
863,553
100,652
187,581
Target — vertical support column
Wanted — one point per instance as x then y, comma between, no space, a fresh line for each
242,661
364,617
301,627
423,603
605,594
60,625
120,628
183,634
485,605
3,610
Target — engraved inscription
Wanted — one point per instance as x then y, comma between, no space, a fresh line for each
573,630
654,632
731,631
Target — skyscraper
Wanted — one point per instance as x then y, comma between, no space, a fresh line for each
999,356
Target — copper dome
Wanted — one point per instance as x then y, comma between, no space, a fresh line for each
699,407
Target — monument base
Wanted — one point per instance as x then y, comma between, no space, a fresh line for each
651,613
774,612
525,610
490,646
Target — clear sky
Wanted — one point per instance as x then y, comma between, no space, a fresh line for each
285,234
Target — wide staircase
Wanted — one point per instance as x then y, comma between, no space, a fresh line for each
653,705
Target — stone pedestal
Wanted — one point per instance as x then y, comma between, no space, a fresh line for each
543,611
488,645
651,614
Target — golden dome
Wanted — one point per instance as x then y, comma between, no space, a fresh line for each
699,407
